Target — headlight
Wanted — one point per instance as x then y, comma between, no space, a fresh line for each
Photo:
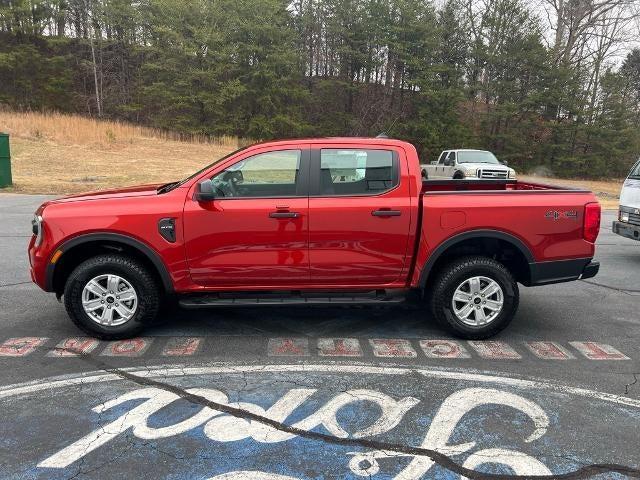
36,228
624,216
512,173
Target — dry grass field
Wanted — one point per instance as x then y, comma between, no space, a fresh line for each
608,192
59,154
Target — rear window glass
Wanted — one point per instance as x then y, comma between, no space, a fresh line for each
357,172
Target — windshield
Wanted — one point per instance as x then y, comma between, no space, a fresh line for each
477,156
635,171
170,186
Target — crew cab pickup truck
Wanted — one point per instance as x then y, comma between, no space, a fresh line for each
467,163
318,221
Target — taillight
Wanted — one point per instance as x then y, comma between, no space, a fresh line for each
591,222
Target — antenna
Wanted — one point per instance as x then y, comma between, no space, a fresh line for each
382,135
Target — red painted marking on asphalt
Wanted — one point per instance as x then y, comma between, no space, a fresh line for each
339,347
72,347
598,351
548,350
392,347
20,346
494,350
133,347
443,349
288,347
178,347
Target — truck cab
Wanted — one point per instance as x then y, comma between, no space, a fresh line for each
628,223
467,163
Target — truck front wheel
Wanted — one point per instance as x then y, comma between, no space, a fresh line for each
111,297
474,297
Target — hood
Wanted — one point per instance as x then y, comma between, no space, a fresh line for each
490,166
137,191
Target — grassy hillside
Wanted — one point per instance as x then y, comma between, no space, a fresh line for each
58,154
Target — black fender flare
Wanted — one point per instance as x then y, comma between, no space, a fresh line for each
143,248
461,237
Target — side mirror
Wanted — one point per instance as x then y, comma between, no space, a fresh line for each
505,163
205,191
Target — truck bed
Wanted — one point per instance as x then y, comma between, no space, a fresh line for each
477,185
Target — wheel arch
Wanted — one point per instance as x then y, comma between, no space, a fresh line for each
79,249
504,247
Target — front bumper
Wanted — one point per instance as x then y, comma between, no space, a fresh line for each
545,273
38,260
626,230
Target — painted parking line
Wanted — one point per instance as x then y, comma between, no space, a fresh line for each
182,347
598,351
392,347
288,347
444,349
133,347
549,350
492,350
348,347
72,347
20,346
339,347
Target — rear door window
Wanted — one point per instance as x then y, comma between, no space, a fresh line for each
346,171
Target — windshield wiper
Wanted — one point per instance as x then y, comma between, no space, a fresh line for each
167,187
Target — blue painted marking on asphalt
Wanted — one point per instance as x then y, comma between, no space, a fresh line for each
60,419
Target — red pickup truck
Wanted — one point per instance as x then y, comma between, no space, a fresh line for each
329,221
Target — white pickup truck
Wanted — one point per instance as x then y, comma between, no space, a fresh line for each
628,223
466,163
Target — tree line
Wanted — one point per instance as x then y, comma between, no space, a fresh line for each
553,85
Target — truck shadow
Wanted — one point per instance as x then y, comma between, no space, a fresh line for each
401,321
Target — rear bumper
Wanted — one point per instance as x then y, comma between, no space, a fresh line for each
626,230
545,273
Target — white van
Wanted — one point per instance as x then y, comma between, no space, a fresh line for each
628,224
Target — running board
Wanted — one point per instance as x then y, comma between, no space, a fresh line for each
245,299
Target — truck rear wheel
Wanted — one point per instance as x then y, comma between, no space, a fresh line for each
474,297
111,297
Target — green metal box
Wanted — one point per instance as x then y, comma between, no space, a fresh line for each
5,161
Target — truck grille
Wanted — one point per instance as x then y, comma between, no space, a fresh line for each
489,173
634,219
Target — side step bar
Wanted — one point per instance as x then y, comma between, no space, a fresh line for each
244,299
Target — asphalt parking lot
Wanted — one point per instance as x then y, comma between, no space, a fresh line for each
288,393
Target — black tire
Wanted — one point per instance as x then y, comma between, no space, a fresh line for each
458,176
453,275
136,274
425,174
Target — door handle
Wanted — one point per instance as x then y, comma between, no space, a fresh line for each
386,213
284,214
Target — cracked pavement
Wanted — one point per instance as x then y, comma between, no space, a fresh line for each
233,408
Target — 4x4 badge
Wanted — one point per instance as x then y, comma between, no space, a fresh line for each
555,215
